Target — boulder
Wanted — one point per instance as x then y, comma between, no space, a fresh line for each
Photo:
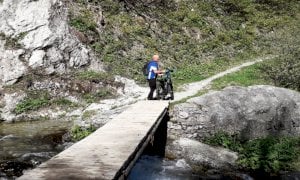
202,155
36,34
249,112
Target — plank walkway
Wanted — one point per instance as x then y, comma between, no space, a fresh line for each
103,154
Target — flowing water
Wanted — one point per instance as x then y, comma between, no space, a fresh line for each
158,168
26,144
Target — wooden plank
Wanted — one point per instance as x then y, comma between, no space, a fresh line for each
103,153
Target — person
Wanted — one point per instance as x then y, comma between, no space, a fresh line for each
153,72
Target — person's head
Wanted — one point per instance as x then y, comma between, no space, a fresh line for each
155,58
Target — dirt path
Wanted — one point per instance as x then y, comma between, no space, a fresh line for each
193,88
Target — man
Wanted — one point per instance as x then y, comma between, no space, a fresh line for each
153,71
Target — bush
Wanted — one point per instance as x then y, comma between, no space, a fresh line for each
225,140
84,21
269,154
78,133
285,70
31,104
95,76
99,95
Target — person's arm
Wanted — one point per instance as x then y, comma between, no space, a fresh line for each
159,71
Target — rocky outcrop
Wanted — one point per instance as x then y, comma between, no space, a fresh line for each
36,35
248,112
251,112
202,155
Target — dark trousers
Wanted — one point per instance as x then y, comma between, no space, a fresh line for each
152,85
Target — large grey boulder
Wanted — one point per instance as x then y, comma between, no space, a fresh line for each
35,34
202,155
249,112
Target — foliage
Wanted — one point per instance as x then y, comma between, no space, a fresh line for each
78,133
95,76
102,93
187,34
84,22
285,70
88,114
246,77
40,99
33,103
269,154
225,140
63,102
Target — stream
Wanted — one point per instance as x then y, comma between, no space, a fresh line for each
25,145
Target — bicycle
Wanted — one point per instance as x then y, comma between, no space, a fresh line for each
165,86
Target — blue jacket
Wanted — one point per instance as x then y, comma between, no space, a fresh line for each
152,66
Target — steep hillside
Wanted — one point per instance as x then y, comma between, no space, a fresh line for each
57,53
195,36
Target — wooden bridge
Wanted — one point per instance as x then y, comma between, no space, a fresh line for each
111,151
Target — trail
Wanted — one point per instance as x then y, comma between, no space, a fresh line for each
192,89
108,109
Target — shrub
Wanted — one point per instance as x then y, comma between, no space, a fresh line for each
84,21
95,76
285,70
78,133
31,104
97,96
225,140
268,154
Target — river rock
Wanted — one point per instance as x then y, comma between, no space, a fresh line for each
199,154
249,112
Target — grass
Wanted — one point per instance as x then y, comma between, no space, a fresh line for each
199,38
248,76
41,99
268,154
84,21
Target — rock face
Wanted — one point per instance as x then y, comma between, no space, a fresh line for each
36,34
199,154
251,112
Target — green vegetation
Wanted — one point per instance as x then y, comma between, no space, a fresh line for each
78,133
284,71
12,42
197,37
63,102
83,21
248,76
95,76
269,154
40,99
88,114
103,93
225,140
29,104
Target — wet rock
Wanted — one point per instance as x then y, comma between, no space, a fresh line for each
202,155
291,176
251,112
13,168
